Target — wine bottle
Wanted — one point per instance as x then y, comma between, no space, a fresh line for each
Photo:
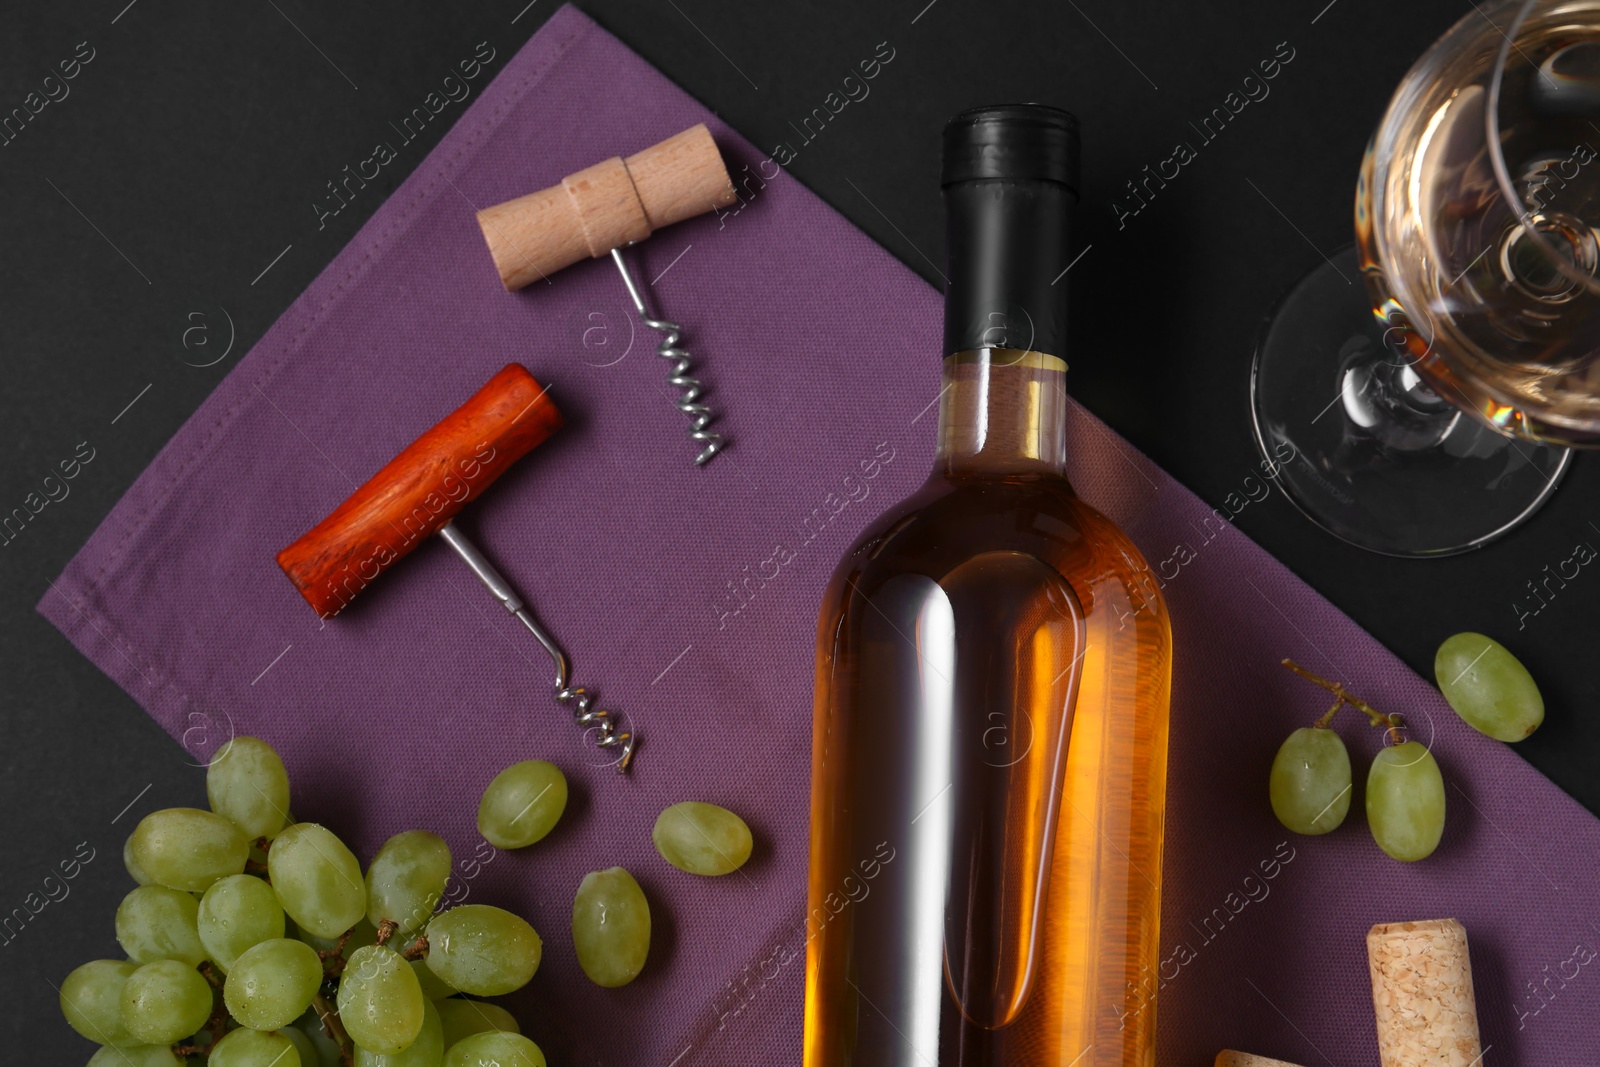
993,672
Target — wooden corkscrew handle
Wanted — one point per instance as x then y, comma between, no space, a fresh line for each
420,490
606,206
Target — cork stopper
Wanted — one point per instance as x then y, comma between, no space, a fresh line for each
606,206
1422,994
1230,1058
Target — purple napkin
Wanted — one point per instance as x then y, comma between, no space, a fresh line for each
687,598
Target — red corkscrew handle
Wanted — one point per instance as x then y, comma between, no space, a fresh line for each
420,490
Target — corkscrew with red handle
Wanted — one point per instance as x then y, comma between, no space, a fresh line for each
417,494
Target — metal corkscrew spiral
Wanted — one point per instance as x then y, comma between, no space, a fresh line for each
608,733
599,720
691,389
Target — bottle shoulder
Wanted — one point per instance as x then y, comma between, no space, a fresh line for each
949,523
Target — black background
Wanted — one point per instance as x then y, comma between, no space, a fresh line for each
190,150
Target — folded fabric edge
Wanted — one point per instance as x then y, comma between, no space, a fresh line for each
99,642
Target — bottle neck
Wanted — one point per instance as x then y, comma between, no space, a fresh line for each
1006,261
1002,414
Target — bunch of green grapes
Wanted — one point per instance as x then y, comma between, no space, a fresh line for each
257,941
1310,781
254,940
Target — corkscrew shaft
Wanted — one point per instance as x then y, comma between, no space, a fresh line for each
608,735
690,388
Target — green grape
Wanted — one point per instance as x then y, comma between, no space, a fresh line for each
254,1048
380,1002
135,871
702,838
433,987
496,1048
91,999
483,950
186,848
522,804
426,1051
317,879
304,1047
1405,801
272,983
164,1001
135,1056
237,913
1310,781
157,923
406,879
1488,687
611,927
463,1018
247,784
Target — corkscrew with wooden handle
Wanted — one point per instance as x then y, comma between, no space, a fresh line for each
417,494
602,210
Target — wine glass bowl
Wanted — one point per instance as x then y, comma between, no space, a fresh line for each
1493,277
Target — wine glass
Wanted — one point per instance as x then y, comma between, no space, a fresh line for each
1417,393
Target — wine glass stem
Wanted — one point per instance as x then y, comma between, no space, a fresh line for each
1382,393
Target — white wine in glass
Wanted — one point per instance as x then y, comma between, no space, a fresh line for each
1427,382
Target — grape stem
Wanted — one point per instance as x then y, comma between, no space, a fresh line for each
263,844
334,1028
333,960
211,974
414,951
1393,722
